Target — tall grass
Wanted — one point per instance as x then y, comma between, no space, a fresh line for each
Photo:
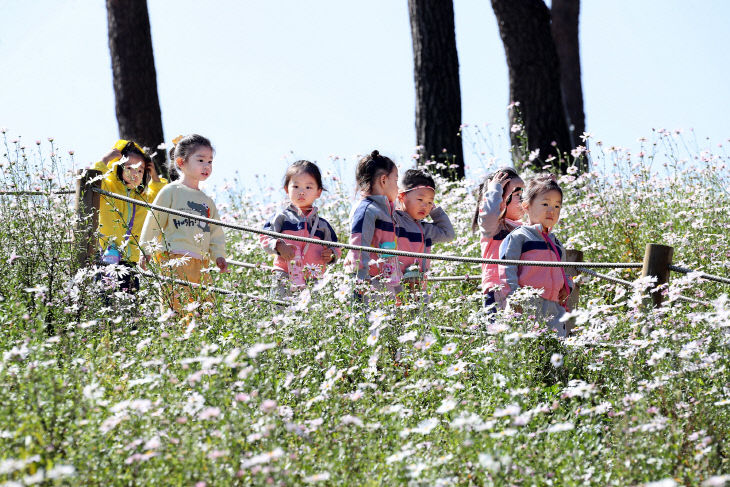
98,388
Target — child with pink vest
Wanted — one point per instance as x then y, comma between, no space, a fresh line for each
371,220
534,241
302,185
498,213
415,200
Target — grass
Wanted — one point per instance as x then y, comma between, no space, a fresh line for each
100,390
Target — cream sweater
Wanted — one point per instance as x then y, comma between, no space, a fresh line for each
181,235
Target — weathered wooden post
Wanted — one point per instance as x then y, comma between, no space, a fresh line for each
657,259
573,256
87,215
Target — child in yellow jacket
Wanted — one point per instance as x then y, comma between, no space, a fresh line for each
127,171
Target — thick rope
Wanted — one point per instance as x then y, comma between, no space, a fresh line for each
450,258
36,193
630,284
218,290
702,275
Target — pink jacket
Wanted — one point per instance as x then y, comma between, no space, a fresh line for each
493,232
371,224
418,236
292,221
530,243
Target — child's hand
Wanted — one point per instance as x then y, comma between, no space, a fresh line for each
153,172
499,179
222,264
114,154
285,250
327,255
143,262
563,295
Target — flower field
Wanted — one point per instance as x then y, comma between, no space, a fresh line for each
100,388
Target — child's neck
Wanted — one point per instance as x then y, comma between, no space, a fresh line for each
305,210
191,183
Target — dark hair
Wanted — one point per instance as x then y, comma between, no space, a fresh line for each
185,147
303,167
369,168
511,174
133,148
414,178
540,184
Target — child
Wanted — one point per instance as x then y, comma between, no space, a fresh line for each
498,213
416,202
533,241
303,185
371,219
194,240
128,171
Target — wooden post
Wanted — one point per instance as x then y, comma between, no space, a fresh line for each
657,259
87,215
572,256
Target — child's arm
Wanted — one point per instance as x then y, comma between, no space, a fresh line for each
510,249
217,241
490,208
440,230
362,231
329,254
273,245
156,221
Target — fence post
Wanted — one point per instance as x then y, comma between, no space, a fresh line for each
657,259
87,215
573,256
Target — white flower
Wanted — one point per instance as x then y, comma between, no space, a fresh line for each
373,337
456,368
257,348
407,337
317,477
446,406
557,360
662,483
448,349
560,427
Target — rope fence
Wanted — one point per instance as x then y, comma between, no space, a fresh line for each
36,193
296,238
657,260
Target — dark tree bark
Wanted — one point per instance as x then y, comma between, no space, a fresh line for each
436,73
135,78
565,15
534,79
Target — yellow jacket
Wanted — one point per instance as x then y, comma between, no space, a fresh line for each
114,215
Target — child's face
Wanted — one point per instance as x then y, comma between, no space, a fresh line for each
133,170
198,165
514,208
544,209
418,203
389,183
303,190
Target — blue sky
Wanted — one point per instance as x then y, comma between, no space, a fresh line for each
271,82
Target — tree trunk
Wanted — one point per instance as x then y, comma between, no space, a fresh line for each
565,15
534,80
135,79
436,73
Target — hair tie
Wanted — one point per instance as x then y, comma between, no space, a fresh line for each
418,187
177,139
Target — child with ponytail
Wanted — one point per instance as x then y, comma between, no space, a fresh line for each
191,242
371,220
